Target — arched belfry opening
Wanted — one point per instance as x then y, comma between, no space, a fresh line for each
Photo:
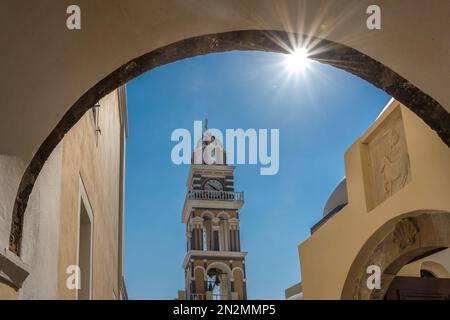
218,284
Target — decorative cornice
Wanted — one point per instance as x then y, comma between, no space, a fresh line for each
212,254
190,204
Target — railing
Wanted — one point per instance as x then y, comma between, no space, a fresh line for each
220,297
197,296
203,296
215,195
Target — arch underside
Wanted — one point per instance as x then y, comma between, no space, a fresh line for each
400,241
331,53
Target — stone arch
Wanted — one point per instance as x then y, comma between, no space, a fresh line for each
435,268
207,214
325,51
202,269
224,214
222,266
401,240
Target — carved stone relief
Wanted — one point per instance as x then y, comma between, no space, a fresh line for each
405,233
389,166
410,238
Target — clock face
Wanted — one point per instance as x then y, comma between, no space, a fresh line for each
213,185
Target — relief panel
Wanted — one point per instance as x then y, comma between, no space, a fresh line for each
388,159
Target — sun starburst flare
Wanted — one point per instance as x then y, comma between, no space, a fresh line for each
297,60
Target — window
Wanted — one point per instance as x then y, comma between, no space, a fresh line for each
224,230
216,245
85,247
207,235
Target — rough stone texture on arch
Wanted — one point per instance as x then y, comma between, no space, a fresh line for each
332,53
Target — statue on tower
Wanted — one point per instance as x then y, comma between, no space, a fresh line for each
209,150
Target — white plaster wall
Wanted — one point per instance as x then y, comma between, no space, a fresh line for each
11,169
41,229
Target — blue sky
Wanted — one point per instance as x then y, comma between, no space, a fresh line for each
319,113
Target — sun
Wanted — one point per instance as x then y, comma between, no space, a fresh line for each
297,60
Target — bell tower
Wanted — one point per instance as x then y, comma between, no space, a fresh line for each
214,264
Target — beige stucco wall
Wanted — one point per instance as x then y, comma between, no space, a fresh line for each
96,166
327,255
7,293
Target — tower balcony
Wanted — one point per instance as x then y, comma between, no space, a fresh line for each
215,195
210,199
209,295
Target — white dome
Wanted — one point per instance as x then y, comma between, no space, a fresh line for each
338,198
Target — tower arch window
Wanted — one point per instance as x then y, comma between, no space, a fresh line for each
219,278
207,233
223,233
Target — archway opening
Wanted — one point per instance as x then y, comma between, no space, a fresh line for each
209,240
398,249
326,51
422,279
